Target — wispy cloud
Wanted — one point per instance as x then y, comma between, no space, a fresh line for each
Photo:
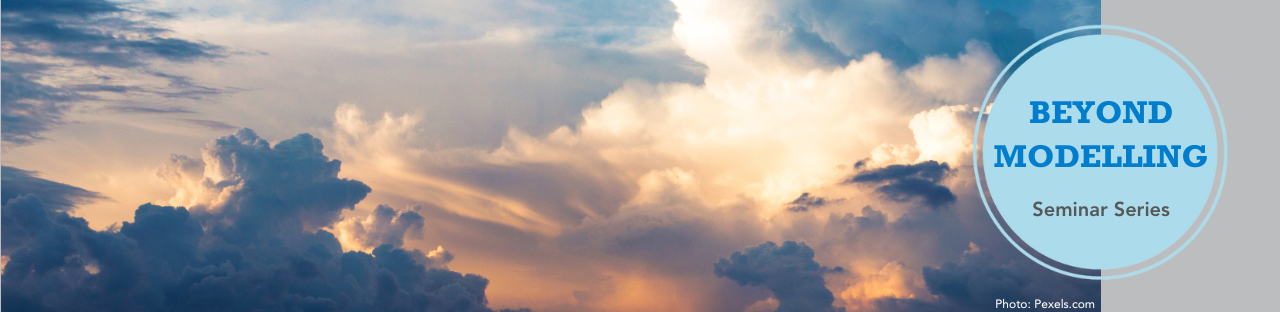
56,196
211,124
45,40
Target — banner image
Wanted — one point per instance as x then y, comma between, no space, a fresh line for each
651,155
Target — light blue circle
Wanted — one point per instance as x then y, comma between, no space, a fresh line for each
1100,68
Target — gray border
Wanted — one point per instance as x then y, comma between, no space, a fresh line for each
1221,156
1231,265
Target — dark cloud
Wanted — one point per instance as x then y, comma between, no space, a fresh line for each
807,201
919,236
929,170
96,33
789,271
905,183
56,196
259,248
281,189
29,107
61,7
91,34
929,240
978,280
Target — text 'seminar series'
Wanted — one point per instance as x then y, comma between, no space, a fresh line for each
1112,132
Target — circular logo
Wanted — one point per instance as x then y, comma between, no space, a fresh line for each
1100,152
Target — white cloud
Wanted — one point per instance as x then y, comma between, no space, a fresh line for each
893,280
759,126
762,129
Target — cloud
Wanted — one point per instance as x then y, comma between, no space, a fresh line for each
893,280
56,196
572,208
788,271
787,133
667,218
95,32
911,31
943,134
905,183
384,225
806,202
974,284
242,175
211,124
252,237
29,107
52,47
150,110
661,168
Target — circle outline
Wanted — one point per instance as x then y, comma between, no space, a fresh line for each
1222,126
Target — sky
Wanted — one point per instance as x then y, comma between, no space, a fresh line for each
488,155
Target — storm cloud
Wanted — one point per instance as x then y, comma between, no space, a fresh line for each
789,271
257,243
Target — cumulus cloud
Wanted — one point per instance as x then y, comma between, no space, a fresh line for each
893,280
384,225
750,129
250,238
943,135
59,53
239,176
785,109
940,134
789,271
